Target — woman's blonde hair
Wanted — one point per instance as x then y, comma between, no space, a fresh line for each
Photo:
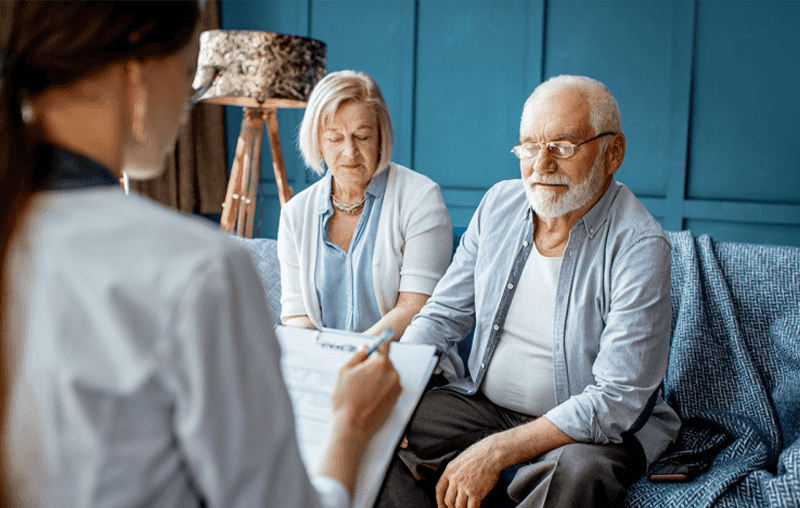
328,96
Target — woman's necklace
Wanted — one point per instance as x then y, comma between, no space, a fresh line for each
353,209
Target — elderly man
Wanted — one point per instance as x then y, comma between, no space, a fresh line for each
565,276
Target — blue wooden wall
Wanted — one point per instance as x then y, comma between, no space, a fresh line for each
708,91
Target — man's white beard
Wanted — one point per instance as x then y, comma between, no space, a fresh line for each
547,203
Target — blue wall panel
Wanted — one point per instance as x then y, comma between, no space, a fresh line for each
642,52
705,87
468,109
376,38
477,62
745,129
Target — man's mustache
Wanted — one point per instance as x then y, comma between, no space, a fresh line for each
548,180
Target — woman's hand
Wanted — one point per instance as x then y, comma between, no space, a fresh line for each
366,390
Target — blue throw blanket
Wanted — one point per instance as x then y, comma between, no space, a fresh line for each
733,376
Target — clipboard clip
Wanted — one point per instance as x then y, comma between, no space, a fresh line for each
339,346
351,347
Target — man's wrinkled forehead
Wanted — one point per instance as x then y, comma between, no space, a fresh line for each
564,105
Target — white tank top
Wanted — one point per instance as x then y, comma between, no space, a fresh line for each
520,373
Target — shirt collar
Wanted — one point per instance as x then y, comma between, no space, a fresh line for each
597,215
378,184
324,204
375,189
69,170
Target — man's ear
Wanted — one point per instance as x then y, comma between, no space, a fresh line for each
615,153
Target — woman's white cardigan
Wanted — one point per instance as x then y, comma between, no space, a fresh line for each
412,249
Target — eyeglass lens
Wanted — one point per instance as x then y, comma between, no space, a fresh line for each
560,149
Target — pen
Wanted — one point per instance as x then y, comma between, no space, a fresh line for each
383,337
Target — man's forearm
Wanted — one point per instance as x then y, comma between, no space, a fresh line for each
299,321
398,319
526,442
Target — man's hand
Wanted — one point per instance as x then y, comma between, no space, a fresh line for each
469,478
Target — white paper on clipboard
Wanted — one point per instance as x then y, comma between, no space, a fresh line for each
310,361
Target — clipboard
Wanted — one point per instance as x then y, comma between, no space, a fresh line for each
310,361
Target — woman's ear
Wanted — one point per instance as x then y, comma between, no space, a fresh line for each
615,153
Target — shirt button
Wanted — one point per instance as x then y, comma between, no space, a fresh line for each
483,365
591,231
510,286
495,327
525,243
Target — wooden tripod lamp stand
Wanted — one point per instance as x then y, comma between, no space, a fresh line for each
259,71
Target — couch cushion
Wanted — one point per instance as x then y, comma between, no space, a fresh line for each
734,374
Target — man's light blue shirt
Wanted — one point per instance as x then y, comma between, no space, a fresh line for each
612,318
344,279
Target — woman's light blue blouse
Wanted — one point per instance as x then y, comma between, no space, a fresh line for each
344,279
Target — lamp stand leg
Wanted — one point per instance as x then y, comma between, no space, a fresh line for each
230,208
239,208
251,190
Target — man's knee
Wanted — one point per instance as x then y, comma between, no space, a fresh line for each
581,464
445,421
428,412
577,474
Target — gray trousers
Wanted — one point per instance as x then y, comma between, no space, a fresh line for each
446,423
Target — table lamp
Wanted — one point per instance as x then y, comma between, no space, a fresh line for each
259,71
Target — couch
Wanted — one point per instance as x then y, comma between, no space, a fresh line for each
733,375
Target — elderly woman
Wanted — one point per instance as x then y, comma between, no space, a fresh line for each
363,248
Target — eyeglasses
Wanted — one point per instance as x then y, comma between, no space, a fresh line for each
559,149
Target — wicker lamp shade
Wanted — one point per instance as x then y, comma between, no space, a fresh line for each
259,71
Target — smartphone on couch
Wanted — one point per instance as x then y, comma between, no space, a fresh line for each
674,472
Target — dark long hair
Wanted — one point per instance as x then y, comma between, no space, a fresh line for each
51,43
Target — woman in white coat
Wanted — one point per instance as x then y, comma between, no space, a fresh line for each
145,372
362,249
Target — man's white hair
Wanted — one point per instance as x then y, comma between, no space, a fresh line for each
603,108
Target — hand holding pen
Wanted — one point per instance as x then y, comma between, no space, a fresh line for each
366,391
367,387
385,335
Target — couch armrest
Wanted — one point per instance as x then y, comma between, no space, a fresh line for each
264,252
